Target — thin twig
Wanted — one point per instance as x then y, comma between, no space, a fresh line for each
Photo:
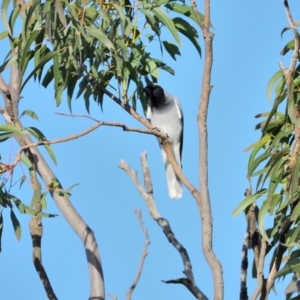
80,134
113,297
147,194
143,257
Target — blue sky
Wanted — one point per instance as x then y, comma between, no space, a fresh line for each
246,54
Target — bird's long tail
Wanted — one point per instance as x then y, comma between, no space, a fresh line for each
174,184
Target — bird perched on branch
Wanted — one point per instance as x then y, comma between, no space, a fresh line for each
165,113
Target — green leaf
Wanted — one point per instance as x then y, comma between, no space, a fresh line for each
122,17
295,236
292,103
14,131
65,192
296,212
48,77
5,22
86,98
54,183
168,22
185,10
4,4
60,11
25,51
171,48
261,142
151,20
29,113
151,67
70,90
24,209
292,266
82,86
189,31
274,201
25,160
289,46
272,82
42,62
36,196
16,224
261,218
248,201
297,23
273,112
100,36
43,200
13,16
41,137
163,66
257,161
3,35
58,94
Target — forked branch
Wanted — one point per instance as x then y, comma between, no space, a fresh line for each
147,194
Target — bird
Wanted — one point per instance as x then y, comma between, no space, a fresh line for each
165,113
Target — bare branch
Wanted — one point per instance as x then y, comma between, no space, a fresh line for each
261,287
76,136
143,257
162,222
203,200
152,131
244,267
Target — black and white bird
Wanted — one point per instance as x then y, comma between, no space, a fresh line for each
165,113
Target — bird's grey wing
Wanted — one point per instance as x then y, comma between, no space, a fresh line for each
180,116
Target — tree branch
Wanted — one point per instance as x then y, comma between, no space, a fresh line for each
147,195
86,235
261,288
143,257
203,201
75,136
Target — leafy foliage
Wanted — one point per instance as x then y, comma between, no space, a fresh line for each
86,46
91,43
274,161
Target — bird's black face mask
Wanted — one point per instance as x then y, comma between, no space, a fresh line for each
155,93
